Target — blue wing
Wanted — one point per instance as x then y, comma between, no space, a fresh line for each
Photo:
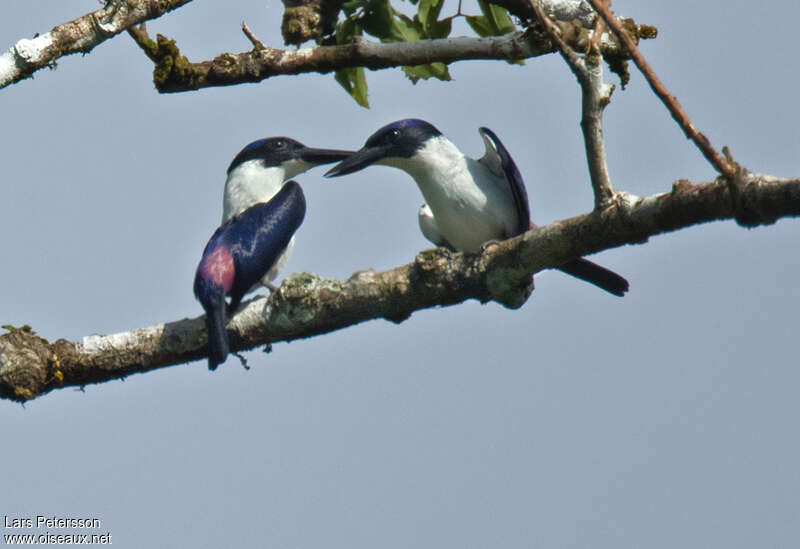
498,159
239,254
497,155
257,236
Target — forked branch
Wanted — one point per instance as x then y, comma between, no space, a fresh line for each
80,35
722,165
595,94
175,73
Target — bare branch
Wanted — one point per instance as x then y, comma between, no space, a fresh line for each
670,101
80,35
595,94
306,305
140,36
175,73
257,44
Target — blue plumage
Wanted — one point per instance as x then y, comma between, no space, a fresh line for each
515,183
239,254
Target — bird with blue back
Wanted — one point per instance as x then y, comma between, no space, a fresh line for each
261,213
468,202
259,171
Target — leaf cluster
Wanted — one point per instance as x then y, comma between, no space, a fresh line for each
379,19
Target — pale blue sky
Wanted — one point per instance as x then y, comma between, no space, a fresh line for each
664,419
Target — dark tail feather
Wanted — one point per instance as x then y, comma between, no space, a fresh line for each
597,275
217,335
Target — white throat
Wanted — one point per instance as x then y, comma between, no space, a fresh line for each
251,182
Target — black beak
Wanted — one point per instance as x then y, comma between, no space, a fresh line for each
322,156
357,161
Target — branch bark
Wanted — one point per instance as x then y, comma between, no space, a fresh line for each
80,35
595,95
175,73
306,304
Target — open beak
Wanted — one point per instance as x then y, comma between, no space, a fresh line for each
357,161
323,156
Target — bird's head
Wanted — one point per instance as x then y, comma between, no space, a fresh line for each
390,145
286,153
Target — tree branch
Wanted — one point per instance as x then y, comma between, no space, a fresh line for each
80,35
306,305
670,101
595,94
257,44
175,73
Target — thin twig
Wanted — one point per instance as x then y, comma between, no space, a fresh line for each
595,95
567,53
675,109
599,29
257,44
140,36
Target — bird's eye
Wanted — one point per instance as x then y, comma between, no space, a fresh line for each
394,134
280,143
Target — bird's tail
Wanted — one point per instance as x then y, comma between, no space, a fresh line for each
597,275
217,334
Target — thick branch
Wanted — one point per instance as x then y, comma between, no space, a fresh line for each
175,73
80,35
308,305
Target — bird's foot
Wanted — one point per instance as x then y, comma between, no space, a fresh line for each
271,287
488,244
242,359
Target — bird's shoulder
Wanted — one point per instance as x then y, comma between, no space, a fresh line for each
498,160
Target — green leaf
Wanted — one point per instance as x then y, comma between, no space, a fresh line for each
440,71
353,80
403,29
427,19
440,29
500,20
428,12
346,31
389,25
431,70
378,18
495,21
480,25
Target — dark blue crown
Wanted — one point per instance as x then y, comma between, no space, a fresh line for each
274,151
403,137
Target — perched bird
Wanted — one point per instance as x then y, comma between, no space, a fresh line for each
238,255
259,171
468,202
259,218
